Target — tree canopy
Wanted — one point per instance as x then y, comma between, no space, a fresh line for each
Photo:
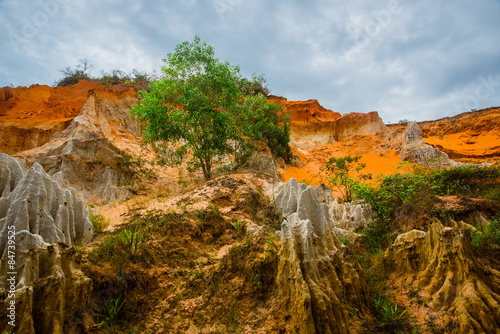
205,107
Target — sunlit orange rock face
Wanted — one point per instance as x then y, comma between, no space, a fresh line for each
30,116
309,111
317,134
468,137
357,123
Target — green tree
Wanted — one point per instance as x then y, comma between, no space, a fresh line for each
201,105
341,174
267,122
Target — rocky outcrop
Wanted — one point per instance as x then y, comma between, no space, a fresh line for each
315,272
33,202
30,116
261,161
416,150
350,215
441,261
39,273
475,212
471,136
307,112
50,289
310,122
357,124
6,93
87,155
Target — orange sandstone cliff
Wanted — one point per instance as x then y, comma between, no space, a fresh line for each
30,116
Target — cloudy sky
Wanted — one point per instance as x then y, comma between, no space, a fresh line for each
416,60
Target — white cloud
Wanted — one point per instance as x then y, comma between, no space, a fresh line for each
414,60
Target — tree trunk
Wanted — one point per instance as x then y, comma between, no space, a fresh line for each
205,166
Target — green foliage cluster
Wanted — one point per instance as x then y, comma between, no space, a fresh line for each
488,236
130,241
99,223
110,311
417,189
118,77
201,106
267,122
402,195
465,180
392,192
389,316
71,77
341,174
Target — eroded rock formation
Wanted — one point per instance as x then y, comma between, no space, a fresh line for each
471,136
39,221
416,150
356,124
316,277
30,116
87,155
350,215
441,261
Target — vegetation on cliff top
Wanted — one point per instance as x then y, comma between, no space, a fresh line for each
140,80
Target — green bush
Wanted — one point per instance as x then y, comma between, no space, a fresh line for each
391,193
401,197
99,223
130,241
465,180
269,123
71,77
341,177
487,236
140,80
389,316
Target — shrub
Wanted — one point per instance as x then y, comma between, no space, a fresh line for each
131,241
389,316
71,77
99,223
341,174
140,80
392,192
466,180
487,236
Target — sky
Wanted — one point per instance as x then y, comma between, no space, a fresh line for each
408,60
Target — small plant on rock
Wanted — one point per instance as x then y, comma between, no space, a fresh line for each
341,172
130,241
99,223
